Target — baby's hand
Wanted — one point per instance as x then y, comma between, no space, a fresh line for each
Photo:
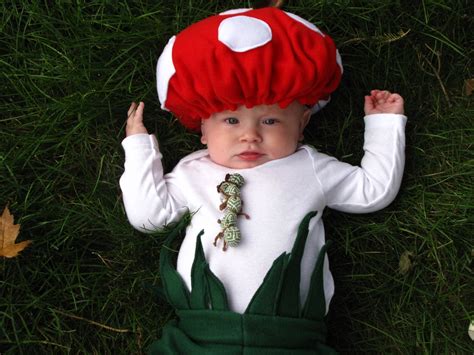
135,120
383,102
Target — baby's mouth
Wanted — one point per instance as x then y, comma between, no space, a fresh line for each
250,155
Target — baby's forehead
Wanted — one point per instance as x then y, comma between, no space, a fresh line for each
253,109
295,106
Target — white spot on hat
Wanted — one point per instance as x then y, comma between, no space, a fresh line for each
243,33
320,105
234,11
339,61
305,22
164,71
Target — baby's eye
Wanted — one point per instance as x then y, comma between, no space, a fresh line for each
232,120
269,121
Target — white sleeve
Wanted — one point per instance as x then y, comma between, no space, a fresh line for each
374,184
148,203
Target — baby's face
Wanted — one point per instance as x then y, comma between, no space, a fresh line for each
249,137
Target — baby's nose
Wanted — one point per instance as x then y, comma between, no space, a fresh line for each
251,134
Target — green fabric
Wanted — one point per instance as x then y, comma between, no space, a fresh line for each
217,332
289,304
273,322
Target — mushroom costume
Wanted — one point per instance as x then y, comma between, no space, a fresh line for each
246,57
269,294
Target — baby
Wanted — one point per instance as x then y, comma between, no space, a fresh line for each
249,80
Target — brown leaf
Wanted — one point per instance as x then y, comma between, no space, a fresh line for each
469,86
406,262
8,233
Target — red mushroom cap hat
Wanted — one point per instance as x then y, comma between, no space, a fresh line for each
246,57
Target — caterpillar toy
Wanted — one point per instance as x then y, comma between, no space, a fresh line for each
232,207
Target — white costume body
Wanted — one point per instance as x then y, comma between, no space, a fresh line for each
276,195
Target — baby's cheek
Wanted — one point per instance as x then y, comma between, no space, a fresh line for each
284,150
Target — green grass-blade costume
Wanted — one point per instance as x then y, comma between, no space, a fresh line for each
272,324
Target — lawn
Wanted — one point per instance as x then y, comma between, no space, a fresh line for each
87,283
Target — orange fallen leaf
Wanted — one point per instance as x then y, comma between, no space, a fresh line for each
469,86
8,233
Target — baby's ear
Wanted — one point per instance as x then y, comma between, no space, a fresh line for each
305,118
304,122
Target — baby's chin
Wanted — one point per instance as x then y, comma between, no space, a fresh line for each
248,165
241,165
237,162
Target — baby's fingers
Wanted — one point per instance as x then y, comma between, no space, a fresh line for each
139,111
135,112
135,120
369,101
382,96
131,109
395,98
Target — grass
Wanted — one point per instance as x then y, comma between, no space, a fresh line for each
86,285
